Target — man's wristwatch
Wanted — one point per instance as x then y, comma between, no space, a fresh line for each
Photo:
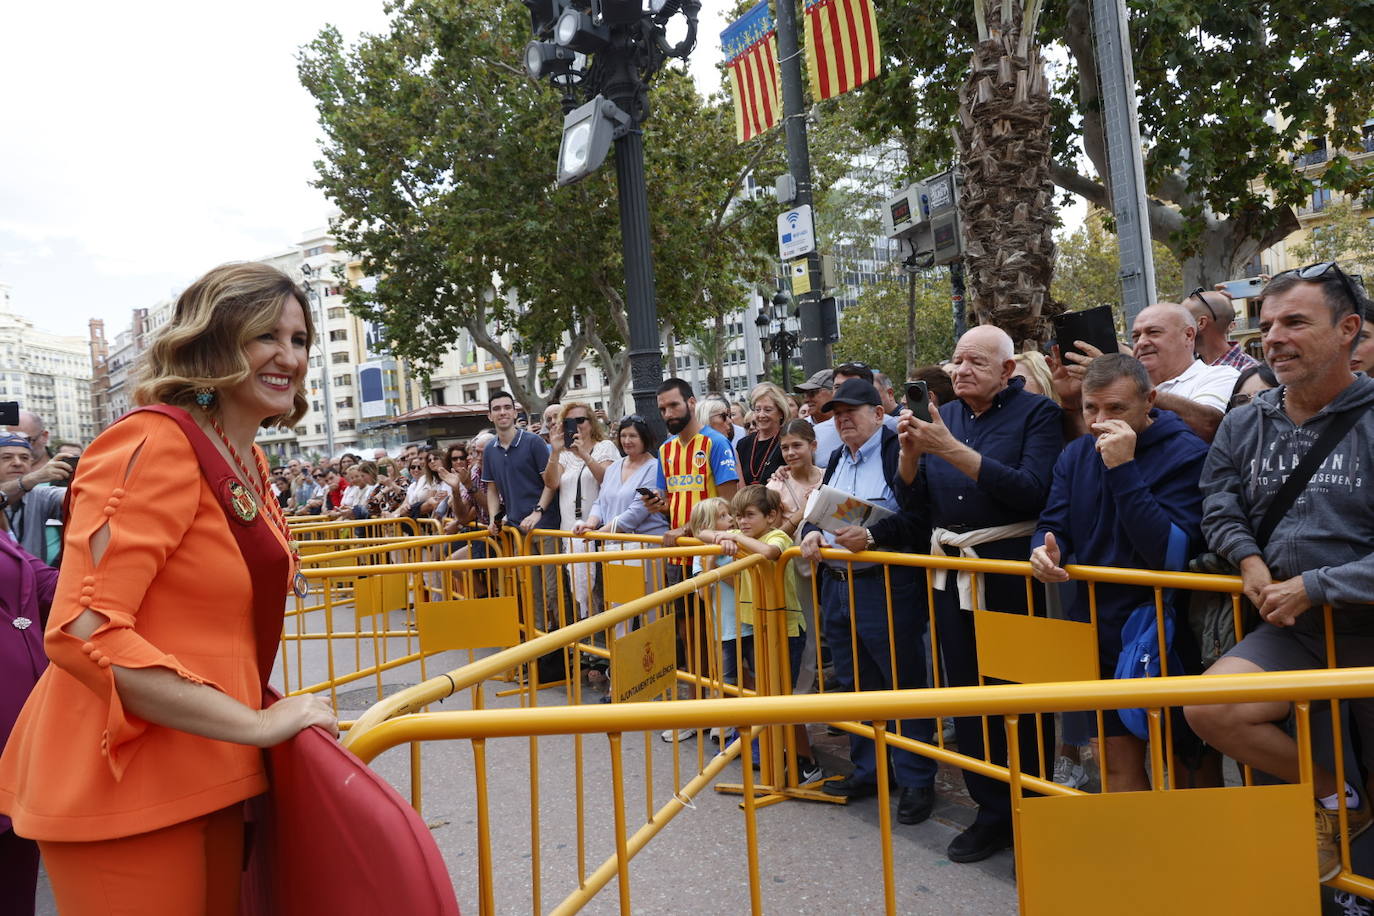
539,509
868,535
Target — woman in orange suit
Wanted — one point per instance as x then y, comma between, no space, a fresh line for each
133,756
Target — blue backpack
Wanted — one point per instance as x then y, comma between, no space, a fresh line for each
1140,637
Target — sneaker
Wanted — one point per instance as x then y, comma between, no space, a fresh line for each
686,734
809,769
1071,774
1329,836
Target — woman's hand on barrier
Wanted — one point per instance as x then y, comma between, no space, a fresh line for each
1283,602
284,719
1044,561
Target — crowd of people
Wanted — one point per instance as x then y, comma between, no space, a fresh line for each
1178,451
1171,453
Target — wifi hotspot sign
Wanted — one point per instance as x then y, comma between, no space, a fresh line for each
796,233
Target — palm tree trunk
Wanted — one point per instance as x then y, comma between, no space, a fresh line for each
1007,201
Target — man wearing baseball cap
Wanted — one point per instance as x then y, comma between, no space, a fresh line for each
28,510
865,466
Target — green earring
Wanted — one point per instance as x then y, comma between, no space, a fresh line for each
205,397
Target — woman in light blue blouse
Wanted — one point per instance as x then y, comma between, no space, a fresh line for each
619,509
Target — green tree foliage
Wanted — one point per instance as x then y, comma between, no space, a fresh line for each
1228,96
1086,273
872,330
1346,235
440,153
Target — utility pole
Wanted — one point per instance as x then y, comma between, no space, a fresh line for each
1125,166
815,352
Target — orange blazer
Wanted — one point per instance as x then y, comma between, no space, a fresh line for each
177,594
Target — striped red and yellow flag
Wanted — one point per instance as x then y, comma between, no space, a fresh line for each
841,45
751,55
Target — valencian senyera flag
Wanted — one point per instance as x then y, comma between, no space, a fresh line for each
751,55
841,45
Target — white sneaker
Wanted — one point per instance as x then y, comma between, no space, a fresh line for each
686,734
1068,773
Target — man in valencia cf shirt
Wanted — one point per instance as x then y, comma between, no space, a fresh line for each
695,463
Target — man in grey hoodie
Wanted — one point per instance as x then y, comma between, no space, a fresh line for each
1321,552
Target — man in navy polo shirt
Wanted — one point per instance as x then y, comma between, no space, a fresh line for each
979,475
513,470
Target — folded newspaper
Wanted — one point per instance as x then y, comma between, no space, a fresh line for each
831,509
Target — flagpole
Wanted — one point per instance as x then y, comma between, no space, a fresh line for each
815,351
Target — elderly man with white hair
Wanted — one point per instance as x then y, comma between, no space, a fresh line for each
978,474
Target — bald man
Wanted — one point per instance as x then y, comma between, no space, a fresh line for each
1164,336
978,475
1215,316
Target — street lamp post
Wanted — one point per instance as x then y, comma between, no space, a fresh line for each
310,275
626,43
781,343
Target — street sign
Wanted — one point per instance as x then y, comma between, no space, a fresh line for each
796,233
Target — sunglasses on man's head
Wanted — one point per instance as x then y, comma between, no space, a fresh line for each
1203,299
1319,270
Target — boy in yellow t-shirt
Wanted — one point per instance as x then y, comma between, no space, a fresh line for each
758,512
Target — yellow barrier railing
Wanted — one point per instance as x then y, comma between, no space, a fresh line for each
863,710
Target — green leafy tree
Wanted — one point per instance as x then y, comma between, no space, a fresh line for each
1346,235
868,329
440,153
1229,96
1086,273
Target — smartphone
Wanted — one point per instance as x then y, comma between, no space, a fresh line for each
1092,326
1243,289
71,461
646,493
918,399
9,413
569,432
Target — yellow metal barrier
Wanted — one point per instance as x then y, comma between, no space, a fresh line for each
1278,887
1036,651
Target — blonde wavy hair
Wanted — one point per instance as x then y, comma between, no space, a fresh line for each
215,318
598,431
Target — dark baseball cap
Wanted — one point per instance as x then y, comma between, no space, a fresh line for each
823,379
856,393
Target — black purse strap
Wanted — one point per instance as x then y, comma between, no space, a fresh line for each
1297,481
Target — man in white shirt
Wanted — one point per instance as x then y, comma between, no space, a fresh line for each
1164,336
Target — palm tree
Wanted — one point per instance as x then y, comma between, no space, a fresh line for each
1003,137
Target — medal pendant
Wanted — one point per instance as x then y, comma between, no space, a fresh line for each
300,584
241,502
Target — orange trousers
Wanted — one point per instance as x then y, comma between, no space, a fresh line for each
181,870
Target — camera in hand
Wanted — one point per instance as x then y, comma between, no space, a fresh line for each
918,399
9,413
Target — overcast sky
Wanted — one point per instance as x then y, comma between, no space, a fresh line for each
142,143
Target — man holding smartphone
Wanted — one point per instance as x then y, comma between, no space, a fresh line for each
28,505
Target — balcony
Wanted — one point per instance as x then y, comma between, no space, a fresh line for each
1315,157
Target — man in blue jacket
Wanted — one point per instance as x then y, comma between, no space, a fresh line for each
977,477
1117,496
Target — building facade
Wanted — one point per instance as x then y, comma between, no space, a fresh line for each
48,374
